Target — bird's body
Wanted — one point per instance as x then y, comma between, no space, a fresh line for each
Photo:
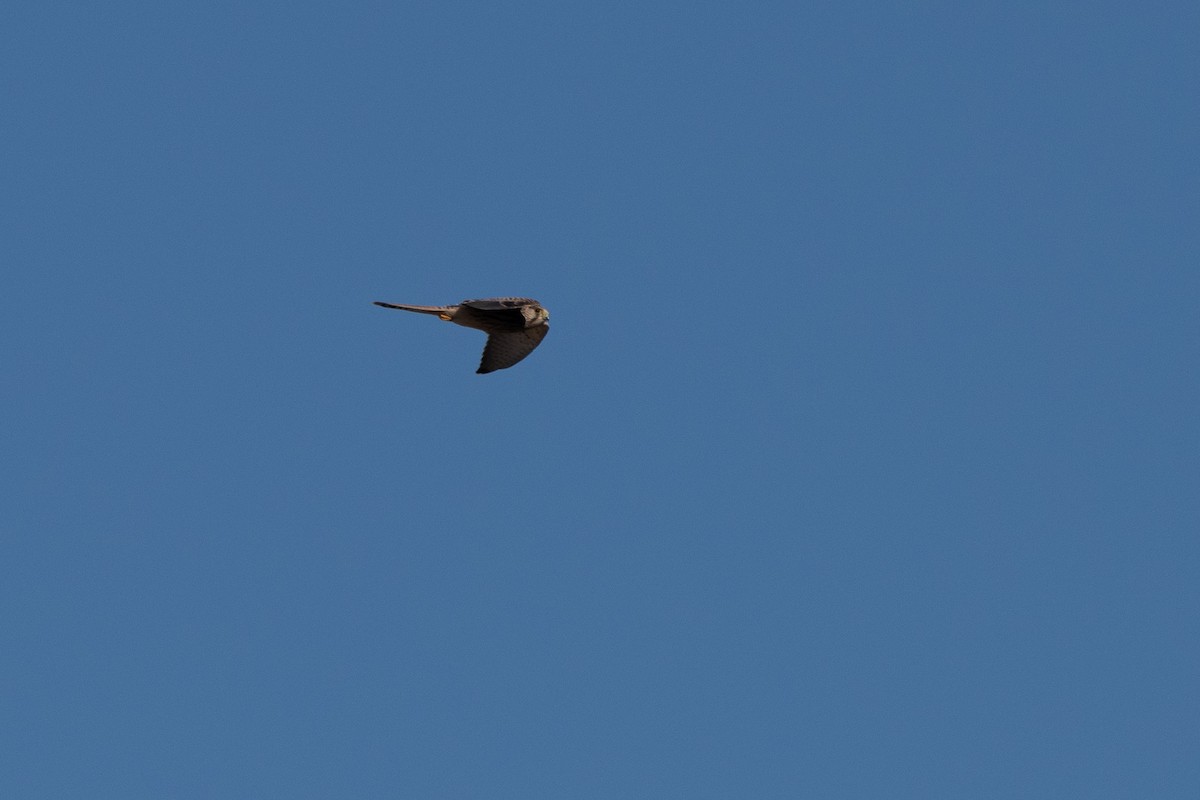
514,325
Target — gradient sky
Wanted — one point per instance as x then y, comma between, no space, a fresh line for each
861,461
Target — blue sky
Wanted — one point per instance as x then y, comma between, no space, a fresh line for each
862,459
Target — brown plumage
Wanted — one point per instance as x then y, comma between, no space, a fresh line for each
514,325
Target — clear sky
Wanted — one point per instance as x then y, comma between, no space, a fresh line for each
861,461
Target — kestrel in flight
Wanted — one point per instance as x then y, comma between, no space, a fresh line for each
514,325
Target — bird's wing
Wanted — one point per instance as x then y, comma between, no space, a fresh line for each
499,303
507,348
491,318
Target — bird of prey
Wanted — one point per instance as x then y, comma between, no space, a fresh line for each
514,325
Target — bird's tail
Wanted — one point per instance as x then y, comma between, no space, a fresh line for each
419,309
